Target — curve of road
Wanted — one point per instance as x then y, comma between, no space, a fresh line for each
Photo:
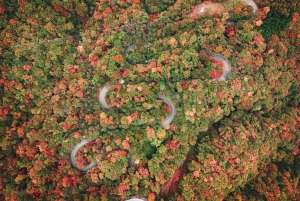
255,8
73,153
227,67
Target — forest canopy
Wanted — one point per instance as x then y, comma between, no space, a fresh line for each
168,100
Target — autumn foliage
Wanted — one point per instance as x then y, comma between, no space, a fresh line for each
228,138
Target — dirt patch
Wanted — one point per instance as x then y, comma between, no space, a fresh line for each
206,8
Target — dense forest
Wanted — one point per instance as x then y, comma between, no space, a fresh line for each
149,100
